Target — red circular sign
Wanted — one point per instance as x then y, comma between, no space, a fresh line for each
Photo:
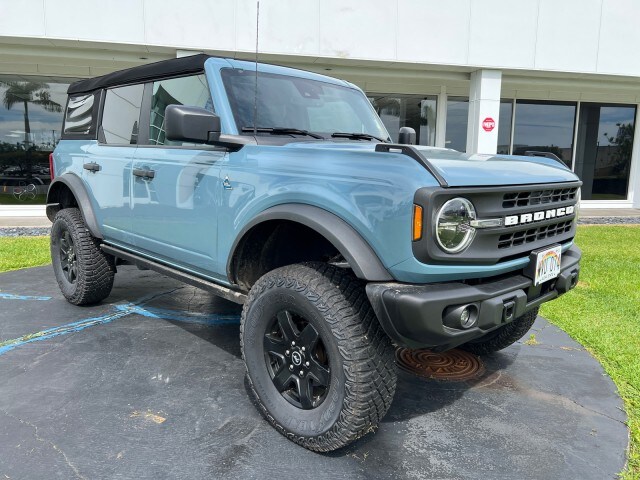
488,124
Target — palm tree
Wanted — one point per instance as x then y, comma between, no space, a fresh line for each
28,92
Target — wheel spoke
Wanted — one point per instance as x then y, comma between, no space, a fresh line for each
285,320
72,274
282,378
309,337
304,392
64,262
64,246
319,373
274,345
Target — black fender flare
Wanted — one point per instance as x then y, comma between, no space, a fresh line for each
79,191
355,249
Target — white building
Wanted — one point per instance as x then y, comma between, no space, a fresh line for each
507,76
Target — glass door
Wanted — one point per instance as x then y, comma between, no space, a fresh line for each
415,111
603,150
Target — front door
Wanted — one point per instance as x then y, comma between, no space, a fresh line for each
176,187
175,202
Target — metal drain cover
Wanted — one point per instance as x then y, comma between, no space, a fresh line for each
453,365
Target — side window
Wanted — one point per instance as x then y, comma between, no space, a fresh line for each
192,91
80,115
121,114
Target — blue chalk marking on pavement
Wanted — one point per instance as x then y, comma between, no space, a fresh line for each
9,345
11,296
209,319
120,312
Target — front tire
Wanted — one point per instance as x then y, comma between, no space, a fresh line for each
319,366
504,336
84,272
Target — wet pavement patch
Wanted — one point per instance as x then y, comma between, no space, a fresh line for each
150,384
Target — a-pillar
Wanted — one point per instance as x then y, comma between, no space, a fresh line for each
484,111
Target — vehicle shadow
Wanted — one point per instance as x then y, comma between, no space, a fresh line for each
216,321
417,396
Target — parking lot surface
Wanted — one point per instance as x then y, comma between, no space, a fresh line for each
150,384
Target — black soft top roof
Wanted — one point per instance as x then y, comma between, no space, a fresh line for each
143,73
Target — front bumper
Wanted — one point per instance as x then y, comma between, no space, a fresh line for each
423,316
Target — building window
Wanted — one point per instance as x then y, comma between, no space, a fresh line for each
457,120
31,111
504,127
544,127
603,150
415,111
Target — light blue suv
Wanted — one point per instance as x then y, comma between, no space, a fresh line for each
280,189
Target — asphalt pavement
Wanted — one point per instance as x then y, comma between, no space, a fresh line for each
150,384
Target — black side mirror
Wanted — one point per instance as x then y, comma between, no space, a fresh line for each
407,136
191,124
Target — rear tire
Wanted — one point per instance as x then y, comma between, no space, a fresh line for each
320,367
84,272
504,336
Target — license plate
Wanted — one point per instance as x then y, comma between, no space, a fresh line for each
547,264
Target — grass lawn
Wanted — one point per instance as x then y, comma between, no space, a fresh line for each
602,313
6,199
22,252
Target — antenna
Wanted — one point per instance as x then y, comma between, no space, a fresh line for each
255,98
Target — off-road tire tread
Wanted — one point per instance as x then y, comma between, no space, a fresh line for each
368,355
96,269
505,336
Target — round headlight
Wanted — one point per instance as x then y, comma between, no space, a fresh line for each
453,225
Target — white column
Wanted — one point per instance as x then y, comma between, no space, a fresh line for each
441,117
484,110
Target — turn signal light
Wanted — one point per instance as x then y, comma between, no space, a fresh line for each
417,222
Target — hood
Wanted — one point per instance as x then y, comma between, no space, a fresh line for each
467,170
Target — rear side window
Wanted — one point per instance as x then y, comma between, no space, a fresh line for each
121,115
192,91
79,118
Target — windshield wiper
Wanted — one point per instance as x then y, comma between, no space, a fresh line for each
282,131
356,136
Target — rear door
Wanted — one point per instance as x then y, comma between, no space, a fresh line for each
176,187
107,165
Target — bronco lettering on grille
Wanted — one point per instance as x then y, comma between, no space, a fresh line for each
538,216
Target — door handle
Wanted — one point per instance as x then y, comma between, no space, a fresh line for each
144,173
92,167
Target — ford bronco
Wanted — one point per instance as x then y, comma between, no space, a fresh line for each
281,190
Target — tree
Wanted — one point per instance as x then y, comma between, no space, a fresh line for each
623,141
28,93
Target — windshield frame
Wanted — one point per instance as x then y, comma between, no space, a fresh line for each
361,106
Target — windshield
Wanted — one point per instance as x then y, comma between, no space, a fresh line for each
287,102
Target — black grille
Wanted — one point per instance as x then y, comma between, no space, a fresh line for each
504,242
521,237
538,197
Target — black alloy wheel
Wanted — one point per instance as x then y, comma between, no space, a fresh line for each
319,366
297,360
83,271
68,260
